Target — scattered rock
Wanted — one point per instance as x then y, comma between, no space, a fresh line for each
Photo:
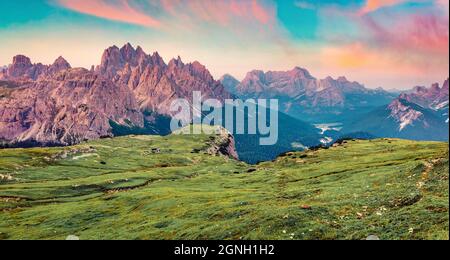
6,177
306,207
372,237
72,238
222,144
155,150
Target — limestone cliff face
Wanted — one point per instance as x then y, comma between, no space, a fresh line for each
70,107
154,83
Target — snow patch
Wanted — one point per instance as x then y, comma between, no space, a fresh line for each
299,146
326,140
404,115
329,127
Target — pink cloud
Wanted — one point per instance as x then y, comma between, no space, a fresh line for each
120,10
187,13
376,68
425,33
260,13
224,12
373,5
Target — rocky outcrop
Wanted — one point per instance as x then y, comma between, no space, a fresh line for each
223,143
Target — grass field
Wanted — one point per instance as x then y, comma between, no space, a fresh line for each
152,187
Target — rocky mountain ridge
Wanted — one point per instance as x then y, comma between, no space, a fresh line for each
306,97
57,105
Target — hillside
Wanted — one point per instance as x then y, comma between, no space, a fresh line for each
153,187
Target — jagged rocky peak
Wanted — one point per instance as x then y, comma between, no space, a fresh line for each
435,87
199,70
230,83
157,59
445,86
21,61
428,97
19,67
228,77
176,63
269,77
60,64
115,59
22,69
301,73
112,60
342,79
255,75
128,52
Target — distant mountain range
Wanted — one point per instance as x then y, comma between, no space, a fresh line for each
130,92
304,97
419,115
353,110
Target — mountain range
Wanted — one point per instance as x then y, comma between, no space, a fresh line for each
421,114
343,108
130,92
304,97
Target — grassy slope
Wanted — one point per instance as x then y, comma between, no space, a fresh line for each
117,189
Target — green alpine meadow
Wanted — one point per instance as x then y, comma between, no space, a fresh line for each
224,127
187,187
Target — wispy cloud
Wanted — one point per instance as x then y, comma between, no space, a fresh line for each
373,5
223,13
121,11
230,14
304,5
417,33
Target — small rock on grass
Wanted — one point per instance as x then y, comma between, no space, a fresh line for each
72,238
306,207
372,238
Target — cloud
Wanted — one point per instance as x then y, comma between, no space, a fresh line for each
304,5
361,62
417,33
121,11
223,13
373,5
